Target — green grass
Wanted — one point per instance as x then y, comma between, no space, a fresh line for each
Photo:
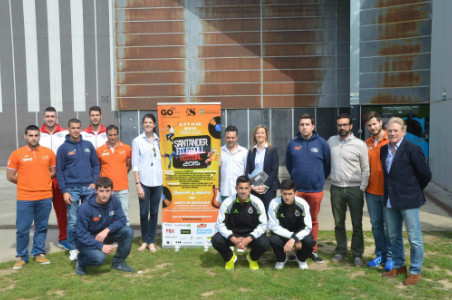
195,274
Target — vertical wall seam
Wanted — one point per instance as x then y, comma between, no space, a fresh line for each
14,74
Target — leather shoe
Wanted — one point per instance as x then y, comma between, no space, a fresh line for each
412,279
395,272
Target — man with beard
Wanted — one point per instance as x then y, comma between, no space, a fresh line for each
96,133
53,136
375,193
349,178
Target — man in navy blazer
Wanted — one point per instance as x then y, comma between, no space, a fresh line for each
406,174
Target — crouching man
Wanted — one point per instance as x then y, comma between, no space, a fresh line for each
290,224
100,223
241,222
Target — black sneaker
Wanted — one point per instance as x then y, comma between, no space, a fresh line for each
316,258
123,267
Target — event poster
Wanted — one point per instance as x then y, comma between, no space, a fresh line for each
190,143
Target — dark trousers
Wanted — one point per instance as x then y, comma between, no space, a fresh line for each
265,198
341,198
277,243
149,210
94,257
222,245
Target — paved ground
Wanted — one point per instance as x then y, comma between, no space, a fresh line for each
435,215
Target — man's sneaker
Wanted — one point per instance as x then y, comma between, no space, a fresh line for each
316,258
374,263
73,254
230,264
302,265
42,259
337,258
79,270
19,263
253,263
64,245
389,265
123,267
280,264
358,262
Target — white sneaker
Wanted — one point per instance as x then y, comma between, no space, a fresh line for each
73,254
279,265
302,265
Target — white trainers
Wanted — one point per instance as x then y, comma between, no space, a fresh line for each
302,265
280,265
73,254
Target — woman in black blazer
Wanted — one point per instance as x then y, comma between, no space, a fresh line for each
263,157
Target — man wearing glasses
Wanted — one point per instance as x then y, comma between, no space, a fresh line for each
349,179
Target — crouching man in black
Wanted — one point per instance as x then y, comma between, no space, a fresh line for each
100,223
290,224
242,222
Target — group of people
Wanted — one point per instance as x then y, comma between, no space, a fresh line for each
85,175
394,195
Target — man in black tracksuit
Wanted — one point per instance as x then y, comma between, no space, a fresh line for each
241,222
290,224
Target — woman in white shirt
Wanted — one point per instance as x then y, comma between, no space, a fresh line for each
147,170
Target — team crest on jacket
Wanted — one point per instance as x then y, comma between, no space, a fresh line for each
314,149
297,213
250,210
298,148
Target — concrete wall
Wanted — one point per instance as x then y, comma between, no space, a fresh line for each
441,94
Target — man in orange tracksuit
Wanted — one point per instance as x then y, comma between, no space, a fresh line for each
375,193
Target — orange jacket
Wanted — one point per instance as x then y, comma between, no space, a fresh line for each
376,181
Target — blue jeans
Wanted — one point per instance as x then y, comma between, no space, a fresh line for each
94,257
149,210
78,194
27,212
377,214
411,217
123,197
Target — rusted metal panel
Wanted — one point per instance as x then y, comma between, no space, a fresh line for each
240,38
294,75
310,62
229,51
227,26
227,89
298,36
226,12
299,23
146,65
291,101
151,90
234,63
289,88
396,14
223,56
147,3
395,52
229,76
128,15
150,40
145,103
150,52
300,49
229,101
154,77
150,27
367,4
299,11
395,79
